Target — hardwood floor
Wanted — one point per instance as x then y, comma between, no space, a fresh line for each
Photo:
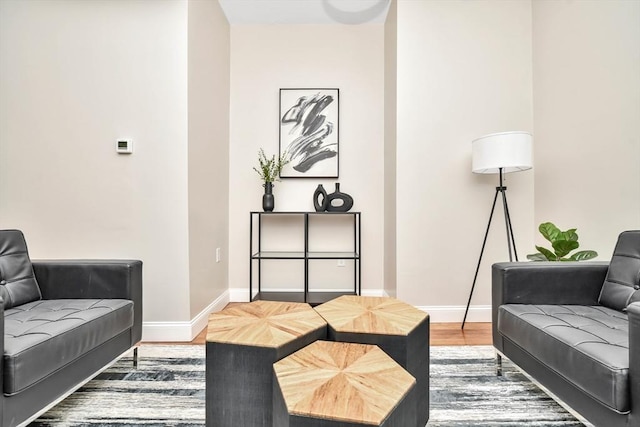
451,334
474,333
440,334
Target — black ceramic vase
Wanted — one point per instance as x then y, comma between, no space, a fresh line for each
320,199
268,202
338,201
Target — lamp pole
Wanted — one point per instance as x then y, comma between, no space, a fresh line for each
510,239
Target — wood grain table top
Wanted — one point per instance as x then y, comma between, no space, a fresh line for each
263,323
372,315
349,382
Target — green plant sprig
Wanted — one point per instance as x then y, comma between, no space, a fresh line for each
269,168
563,242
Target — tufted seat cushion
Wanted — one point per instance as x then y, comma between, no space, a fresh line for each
588,345
43,336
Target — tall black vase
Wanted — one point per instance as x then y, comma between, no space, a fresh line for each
320,205
268,202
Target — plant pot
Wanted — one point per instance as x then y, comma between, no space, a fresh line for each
268,201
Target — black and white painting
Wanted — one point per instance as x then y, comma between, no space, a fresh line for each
309,132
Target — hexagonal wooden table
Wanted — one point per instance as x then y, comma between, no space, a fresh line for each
243,342
400,329
337,384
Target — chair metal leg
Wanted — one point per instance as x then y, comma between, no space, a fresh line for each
135,357
498,364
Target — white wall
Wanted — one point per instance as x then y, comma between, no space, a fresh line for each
267,58
209,62
76,76
390,143
586,62
464,70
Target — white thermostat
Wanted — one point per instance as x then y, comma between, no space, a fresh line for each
124,146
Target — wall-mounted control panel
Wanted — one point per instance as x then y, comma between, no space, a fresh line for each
124,146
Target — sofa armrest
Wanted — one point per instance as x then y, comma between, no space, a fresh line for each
548,282
633,310
102,279
2,355
577,283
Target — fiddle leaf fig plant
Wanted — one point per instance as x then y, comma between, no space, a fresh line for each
562,242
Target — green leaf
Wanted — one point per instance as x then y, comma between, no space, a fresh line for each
549,231
563,247
537,257
563,243
547,253
584,255
570,235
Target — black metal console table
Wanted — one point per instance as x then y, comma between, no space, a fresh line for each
304,294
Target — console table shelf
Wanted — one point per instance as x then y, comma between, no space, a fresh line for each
302,255
313,296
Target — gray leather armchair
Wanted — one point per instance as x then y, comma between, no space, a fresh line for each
62,322
575,328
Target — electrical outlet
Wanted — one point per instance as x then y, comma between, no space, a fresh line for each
218,255
341,263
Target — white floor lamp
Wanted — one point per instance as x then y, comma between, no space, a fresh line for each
500,153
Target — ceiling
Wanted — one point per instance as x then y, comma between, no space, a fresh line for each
351,12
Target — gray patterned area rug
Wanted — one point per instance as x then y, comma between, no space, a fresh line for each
167,389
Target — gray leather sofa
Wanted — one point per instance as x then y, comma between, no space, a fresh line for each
62,322
575,328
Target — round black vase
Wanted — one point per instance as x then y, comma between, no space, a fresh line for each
345,201
320,206
268,202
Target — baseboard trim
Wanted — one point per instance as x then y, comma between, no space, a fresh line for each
238,294
374,293
455,313
437,314
200,321
182,331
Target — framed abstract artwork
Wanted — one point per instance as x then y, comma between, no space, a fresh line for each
309,132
